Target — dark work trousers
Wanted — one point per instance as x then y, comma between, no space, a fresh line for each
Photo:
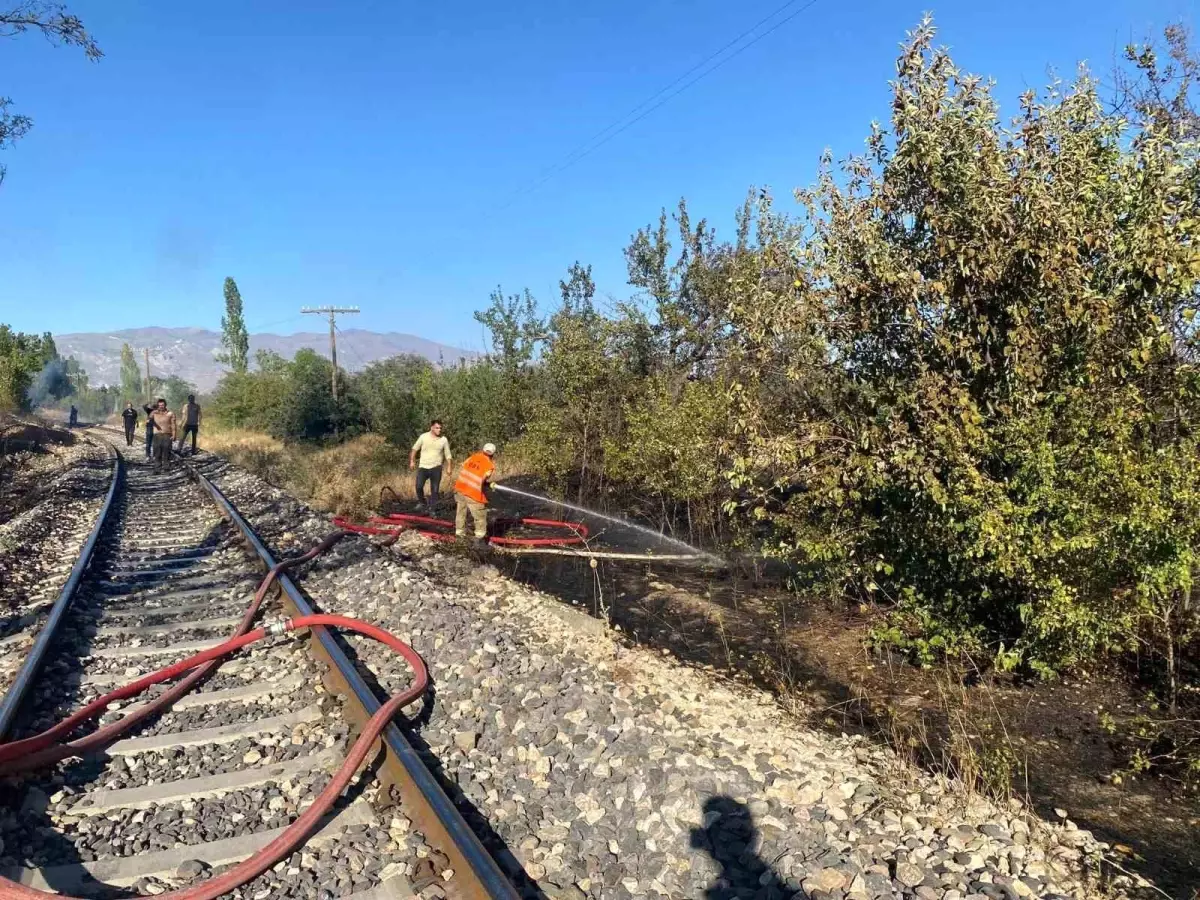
434,477
162,453
129,426
194,429
149,439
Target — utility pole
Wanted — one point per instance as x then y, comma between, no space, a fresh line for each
333,312
146,356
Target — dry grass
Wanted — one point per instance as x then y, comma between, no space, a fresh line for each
344,479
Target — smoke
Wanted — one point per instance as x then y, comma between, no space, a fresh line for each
51,383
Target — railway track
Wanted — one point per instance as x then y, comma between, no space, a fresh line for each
221,772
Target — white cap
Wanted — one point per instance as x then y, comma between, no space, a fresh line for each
489,449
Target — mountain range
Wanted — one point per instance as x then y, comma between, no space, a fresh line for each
191,353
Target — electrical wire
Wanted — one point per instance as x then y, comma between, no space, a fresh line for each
641,111
259,328
361,361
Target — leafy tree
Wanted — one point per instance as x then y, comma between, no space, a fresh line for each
132,385
391,395
515,329
1158,90
175,391
287,399
27,373
234,338
59,27
979,399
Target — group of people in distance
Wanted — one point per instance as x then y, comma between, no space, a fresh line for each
162,427
430,456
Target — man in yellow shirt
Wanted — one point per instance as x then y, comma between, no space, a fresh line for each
434,449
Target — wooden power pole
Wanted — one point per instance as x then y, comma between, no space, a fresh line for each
333,312
146,356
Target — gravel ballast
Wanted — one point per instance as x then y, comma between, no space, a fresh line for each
603,770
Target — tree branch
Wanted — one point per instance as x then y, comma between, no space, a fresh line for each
54,22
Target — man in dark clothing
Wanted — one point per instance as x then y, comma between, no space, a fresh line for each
149,427
74,420
190,414
129,415
164,426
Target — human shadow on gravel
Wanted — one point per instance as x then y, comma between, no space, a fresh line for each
731,839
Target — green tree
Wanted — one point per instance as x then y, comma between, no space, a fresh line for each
234,338
515,329
392,400
132,386
30,370
977,396
59,27
175,391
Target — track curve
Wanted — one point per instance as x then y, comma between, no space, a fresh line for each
208,782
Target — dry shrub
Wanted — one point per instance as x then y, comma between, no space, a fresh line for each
255,452
344,478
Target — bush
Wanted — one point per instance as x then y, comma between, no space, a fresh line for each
995,428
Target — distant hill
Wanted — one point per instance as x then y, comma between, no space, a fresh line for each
191,352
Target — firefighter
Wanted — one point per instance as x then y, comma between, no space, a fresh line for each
471,492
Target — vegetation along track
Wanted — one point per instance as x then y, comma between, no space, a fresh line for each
221,772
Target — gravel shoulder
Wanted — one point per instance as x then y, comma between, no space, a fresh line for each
602,770
40,543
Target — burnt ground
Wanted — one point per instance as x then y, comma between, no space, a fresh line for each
30,454
1043,741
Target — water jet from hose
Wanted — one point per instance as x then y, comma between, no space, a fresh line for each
623,523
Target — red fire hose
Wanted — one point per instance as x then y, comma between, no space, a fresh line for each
442,530
44,748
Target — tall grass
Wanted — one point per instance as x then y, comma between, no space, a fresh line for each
342,478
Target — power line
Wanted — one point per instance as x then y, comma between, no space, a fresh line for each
333,312
612,130
290,318
362,362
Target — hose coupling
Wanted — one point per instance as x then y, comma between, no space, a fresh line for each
280,626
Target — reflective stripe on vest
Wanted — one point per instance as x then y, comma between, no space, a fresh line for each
471,477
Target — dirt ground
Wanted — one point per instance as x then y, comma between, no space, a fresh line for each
1043,741
29,456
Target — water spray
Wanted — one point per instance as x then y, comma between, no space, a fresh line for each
623,523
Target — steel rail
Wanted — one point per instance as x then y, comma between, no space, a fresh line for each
15,695
477,876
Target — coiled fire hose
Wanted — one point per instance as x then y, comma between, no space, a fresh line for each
45,748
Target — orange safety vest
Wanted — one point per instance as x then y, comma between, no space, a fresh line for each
474,473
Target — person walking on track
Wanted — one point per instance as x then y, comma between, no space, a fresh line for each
471,492
435,456
191,422
164,436
129,415
149,410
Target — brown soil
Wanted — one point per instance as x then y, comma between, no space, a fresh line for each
1045,737
29,456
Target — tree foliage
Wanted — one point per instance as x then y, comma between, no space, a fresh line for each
132,386
234,337
27,373
962,381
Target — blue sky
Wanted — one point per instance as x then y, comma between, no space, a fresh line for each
363,153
